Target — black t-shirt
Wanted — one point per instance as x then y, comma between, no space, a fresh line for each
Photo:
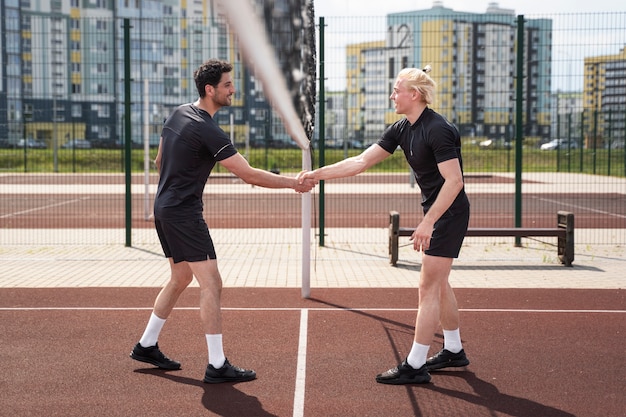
429,141
192,144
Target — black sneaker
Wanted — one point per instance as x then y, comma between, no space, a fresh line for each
404,374
446,359
227,373
154,356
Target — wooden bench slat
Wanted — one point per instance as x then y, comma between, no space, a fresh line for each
500,231
564,232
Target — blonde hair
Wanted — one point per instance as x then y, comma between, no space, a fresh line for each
419,80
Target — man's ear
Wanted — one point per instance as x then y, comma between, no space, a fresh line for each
209,90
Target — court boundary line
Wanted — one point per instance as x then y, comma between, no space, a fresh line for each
48,206
549,200
301,309
299,392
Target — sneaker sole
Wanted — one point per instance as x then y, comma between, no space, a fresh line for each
404,381
211,380
451,364
153,362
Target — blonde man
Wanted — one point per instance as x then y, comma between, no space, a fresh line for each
432,147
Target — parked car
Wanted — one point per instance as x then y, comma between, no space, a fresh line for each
617,144
106,144
355,144
77,144
559,144
495,144
31,143
339,144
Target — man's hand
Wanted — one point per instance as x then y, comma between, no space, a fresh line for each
304,185
421,236
305,176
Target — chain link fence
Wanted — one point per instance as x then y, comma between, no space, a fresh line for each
63,154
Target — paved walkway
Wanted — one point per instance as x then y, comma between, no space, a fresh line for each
484,262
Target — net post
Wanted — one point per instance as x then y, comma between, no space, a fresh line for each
306,230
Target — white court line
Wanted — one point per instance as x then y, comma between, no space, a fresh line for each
582,207
19,213
298,398
466,310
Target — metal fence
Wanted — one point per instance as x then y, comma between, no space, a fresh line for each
64,167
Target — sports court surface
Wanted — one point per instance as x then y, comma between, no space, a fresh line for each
533,352
543,340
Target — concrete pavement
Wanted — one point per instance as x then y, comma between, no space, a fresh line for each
278,261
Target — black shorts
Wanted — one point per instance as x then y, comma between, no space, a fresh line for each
448,234
187,240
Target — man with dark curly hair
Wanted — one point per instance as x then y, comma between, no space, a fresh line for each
191,144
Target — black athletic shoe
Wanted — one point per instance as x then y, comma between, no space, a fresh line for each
404,374
154,356
446,359
227,373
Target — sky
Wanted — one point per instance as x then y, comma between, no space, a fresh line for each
328,8
575,35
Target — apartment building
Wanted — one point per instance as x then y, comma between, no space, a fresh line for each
62,66
473,57
604,100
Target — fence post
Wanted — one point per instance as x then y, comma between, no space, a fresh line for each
322,134
519,120
608,151
558,135
569,140
595,140
127,134
582,139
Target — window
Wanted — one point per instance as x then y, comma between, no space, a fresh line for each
26,45
12,116
27,89
102,110
28,112
26,23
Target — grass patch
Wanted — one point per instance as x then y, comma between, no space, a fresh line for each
475,159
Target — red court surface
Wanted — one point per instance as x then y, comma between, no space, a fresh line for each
58,202
533,352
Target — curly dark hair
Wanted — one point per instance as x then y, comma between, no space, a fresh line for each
210,73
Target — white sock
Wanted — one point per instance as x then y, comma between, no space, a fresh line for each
216,350
153,329
417,355
452,341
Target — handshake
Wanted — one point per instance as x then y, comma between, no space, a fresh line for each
305,181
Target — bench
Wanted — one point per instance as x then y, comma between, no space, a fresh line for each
564,232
